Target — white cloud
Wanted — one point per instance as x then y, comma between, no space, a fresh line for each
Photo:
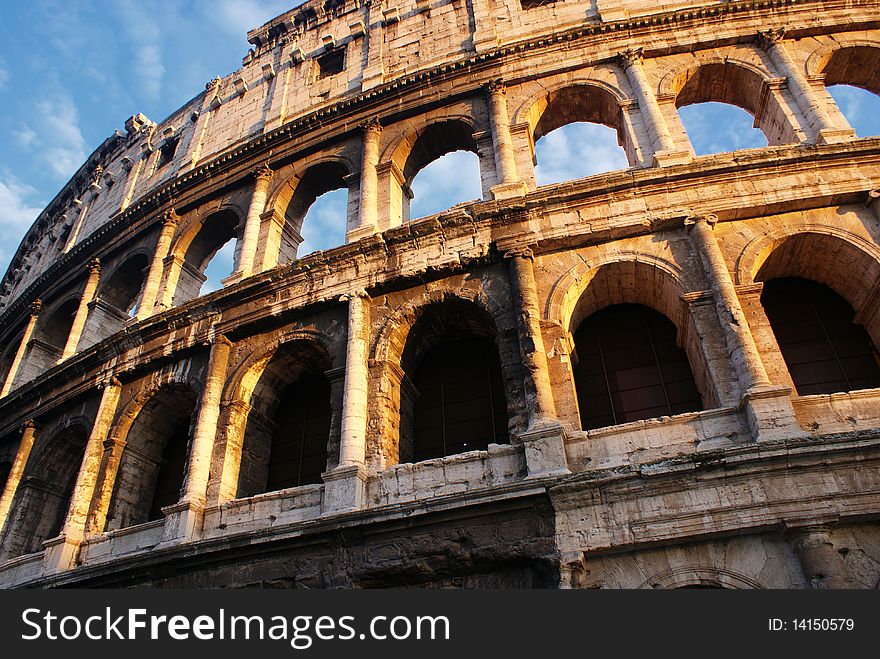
720,128
17,212
450,180
55,136
239,16
575,151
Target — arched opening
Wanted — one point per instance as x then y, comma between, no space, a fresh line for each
221,265
860,107
454,398
824,349
316,217
153,466
43,497
735,85
853,80
629,368
218,231
580,132
48,340
288,432
720,128
116,301
453,179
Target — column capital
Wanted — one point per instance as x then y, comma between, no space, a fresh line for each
709,218
36,307
520,252
29,424
495,86
170,218
371,126
112,382
263,173
631,56
221,339
94,266
770,37
362,294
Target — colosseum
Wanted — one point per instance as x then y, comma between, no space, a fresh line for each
663,376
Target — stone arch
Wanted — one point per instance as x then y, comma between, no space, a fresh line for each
117,297
49,337
847,61
734,81
156,427
200,237
419,146
287,391
44,493
583,100
689,576
640,279
292,198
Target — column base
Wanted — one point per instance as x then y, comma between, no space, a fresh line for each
544,444
835,135
61,554
671,157
344,489
360,232
509,190
183,522
771,414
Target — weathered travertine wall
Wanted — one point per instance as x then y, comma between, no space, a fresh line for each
105,343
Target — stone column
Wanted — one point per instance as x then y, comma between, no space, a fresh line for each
113,447
82,312
224,486
61,555
822,564
183,522
17,471
806,98
368,212
544,440
252,224
36,307
509,183
344,486
768,418
662,143
154,276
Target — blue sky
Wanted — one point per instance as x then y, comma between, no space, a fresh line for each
72,71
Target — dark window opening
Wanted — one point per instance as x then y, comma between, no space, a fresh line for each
825,351
299,445
172,469
166,152
460,404
5,468
629,368
331,63
532,4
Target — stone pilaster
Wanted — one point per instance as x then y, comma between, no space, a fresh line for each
662,143
768,407
82,312
344,486
509,183
823,128
61,555
36,307
154,276
113,447
172,267
183,520
374,72
544,440
224,487
250,238
17,471
368,212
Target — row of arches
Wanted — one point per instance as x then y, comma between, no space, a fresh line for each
458,384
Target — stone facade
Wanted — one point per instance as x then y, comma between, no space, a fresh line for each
138,419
